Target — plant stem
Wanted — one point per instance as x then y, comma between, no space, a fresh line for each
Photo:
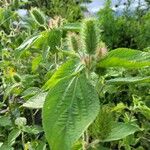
56,60
85,140
23,141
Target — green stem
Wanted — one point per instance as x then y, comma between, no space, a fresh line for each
22,138
56,60
85,140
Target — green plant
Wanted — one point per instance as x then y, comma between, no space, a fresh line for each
89,97
69,103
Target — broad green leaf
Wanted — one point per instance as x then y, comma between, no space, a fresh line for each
49,38
120,131
5,121
127,58
54,39
129,80
36,102
70,107
13,135
67,69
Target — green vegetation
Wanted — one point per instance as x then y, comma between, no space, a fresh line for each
131,29
73,85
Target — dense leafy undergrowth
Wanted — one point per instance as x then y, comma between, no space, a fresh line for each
62,89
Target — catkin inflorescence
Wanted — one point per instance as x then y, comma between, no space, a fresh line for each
89,36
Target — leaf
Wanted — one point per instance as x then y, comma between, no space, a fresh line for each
41,40
6,147
35,145
54,39
120,131
143,109
36,102
120,106
10,88
70,107
127,58
25,45
129,80
20,121
68,68
38,16
13,135
35,62
37,41
31,91
5,121
32,129
74,27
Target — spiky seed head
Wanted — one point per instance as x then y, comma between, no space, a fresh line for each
89,36
73,41
38,16
100,53
55,22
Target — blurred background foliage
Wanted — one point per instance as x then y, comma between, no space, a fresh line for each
129,29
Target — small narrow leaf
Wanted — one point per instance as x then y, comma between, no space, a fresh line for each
25,45
13,135
38,16
35,62
70,107
74,27
129,80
